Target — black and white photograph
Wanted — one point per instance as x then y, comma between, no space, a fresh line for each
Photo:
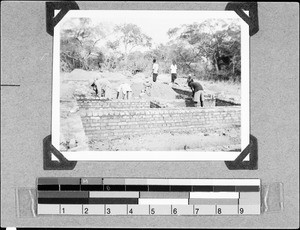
149,115
151,84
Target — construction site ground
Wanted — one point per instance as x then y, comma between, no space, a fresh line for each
79,81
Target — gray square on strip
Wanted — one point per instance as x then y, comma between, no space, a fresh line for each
250,198
168,195
214,201
47,180
135,181
113,181
94,194
69,180
91,180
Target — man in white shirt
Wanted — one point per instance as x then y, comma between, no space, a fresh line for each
173,71
155,70
125,91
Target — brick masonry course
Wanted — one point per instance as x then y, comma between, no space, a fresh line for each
116,122
90,103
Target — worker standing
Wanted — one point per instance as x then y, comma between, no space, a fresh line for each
173,71
155,68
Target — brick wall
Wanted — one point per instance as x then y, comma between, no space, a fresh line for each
111,123
94,102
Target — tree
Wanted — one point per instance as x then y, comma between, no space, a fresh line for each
130,36
78,42
214,40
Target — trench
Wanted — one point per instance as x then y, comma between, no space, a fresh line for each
184,99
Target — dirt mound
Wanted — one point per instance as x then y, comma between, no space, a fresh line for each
67,91
80,74
83,89
158,91
139,78
163,91
137,89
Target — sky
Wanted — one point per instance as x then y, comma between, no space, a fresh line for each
154,23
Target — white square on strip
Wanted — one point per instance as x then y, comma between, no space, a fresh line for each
71,209
93,209
182,209
227,209
160,209
204,209
115,209
138,209
249,209
51,209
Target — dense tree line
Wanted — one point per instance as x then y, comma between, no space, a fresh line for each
210,50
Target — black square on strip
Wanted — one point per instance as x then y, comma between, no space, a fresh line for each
107,187
201,188
181,188
247,188
70,187
63,200
224,188
91,187
159,188
136,187
113,200
48,187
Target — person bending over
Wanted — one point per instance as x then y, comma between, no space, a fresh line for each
102,87
124,91
197,90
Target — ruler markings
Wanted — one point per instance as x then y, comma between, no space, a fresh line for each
106,209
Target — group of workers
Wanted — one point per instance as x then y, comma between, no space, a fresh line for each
103,87
155,68
196,87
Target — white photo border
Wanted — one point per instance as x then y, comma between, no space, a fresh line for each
154,155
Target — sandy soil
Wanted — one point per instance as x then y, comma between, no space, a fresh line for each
220,140
79,81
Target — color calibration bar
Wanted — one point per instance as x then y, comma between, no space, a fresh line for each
133,196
